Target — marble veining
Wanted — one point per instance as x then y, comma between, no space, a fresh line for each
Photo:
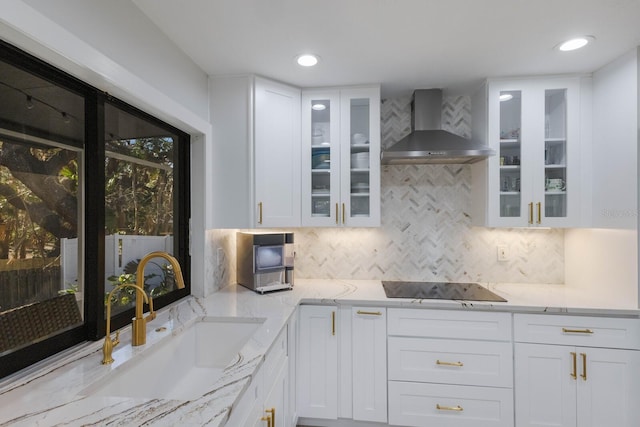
50,394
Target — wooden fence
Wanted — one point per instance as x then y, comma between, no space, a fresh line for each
29,280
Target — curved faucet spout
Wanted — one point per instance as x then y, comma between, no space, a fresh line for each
139,322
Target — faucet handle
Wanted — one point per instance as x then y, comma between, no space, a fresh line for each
152,314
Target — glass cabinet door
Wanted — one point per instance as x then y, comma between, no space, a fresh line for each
555,153
510,153
320,158
359,158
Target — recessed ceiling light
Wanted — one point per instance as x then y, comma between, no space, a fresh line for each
505,97
307,60
575,43
318,107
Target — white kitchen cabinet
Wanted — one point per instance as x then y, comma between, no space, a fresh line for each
256,144
534,126
369,363
317,376
450,368
341,157
571,385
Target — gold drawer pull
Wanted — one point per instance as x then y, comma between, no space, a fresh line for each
577,331
439,362
267,419
333,323
584,366
370,313
574,371
457,408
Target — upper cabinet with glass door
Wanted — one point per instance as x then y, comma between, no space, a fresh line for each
341,157
534,125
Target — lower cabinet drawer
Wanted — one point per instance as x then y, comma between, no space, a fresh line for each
420,405
481,363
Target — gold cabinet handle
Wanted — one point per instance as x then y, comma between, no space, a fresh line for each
343,214
272,414
584,366
333,323
260,213
577,331
539,213
268,420
370,313
574,373
440,362
337,214
456,408
530,213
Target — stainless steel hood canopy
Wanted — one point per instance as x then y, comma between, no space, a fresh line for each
428,143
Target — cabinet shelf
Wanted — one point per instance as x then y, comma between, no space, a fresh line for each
509,193
556,140
360,170
511,168
560,166
555,193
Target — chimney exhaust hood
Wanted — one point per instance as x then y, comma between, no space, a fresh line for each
428,143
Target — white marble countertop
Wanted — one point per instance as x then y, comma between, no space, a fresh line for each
50,393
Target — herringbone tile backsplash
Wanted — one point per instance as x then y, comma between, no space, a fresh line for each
426,231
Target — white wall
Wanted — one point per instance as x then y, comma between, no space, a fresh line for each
120,31
597,259
615,144
112,46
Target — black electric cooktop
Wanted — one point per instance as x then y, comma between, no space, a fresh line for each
439,290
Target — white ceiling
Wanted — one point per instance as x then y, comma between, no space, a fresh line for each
401,44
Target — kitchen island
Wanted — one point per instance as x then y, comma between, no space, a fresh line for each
51,392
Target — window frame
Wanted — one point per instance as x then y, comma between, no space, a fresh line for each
93,217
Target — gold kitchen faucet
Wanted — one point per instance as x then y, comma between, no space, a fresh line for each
139,322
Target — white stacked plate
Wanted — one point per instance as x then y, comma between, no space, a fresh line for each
360,160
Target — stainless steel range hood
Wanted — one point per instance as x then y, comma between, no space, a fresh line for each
428,143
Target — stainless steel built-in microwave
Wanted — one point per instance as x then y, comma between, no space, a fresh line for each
265,261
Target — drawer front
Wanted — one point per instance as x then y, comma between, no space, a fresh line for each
449,324
578,330
479,363
419,405
276,356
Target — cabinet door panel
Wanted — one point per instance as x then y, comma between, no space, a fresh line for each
545,391
609,394
276,402
369,363
317,362
277,154
320,158
360,175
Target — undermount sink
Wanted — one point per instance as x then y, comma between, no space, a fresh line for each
183,367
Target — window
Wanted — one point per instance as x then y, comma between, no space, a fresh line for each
85,180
